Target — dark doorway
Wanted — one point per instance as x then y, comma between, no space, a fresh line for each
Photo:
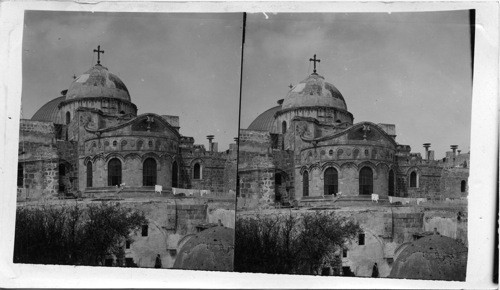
89,174
463,185
331,178
391,183
413,179
114,172
175,174
197,171
366,181
149,172
277,187
62,177
305,183
68,117
283,127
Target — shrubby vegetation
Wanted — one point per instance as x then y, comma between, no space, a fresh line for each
291,244
73,235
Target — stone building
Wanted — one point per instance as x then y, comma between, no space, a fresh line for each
90,143
91,140
308,148
307,152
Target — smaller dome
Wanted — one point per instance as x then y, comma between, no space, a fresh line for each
313,92
265,121
434,257
211,249
49,112
98,82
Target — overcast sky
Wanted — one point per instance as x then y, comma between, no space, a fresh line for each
408,69
172,64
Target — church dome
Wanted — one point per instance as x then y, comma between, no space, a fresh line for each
98,82
210,250
434,257
265,121
314,91
49,112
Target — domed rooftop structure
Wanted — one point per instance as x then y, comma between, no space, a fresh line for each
314,91
49,112
434,257
98,82
211,249
265,121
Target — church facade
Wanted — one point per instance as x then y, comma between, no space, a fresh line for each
91,140
307,153
309,148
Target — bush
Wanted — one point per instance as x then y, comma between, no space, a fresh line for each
73,235
291,244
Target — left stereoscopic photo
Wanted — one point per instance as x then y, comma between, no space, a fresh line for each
127,157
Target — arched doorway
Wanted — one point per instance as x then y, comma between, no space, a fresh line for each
413,179
305,184
391,183
197,171
175,174
331,178
149,172
114,172
366,181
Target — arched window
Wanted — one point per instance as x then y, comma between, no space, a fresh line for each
175,174
366,181
114,172
463,185
391,183
305,184
413,179
68,117
89,174
149,172
20,175
283,127
331,178
197,171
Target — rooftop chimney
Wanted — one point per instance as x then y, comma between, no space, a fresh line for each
454,149
426,146
210,138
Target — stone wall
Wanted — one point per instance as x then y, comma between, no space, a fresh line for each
38,160
387,228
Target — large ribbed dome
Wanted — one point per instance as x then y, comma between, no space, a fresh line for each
265,121
49,112
314,92
98,82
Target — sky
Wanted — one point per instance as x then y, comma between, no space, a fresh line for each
408,69
186,65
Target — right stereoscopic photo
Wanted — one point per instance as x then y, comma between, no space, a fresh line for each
354,144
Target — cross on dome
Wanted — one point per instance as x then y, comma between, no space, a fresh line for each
99,51
314,60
